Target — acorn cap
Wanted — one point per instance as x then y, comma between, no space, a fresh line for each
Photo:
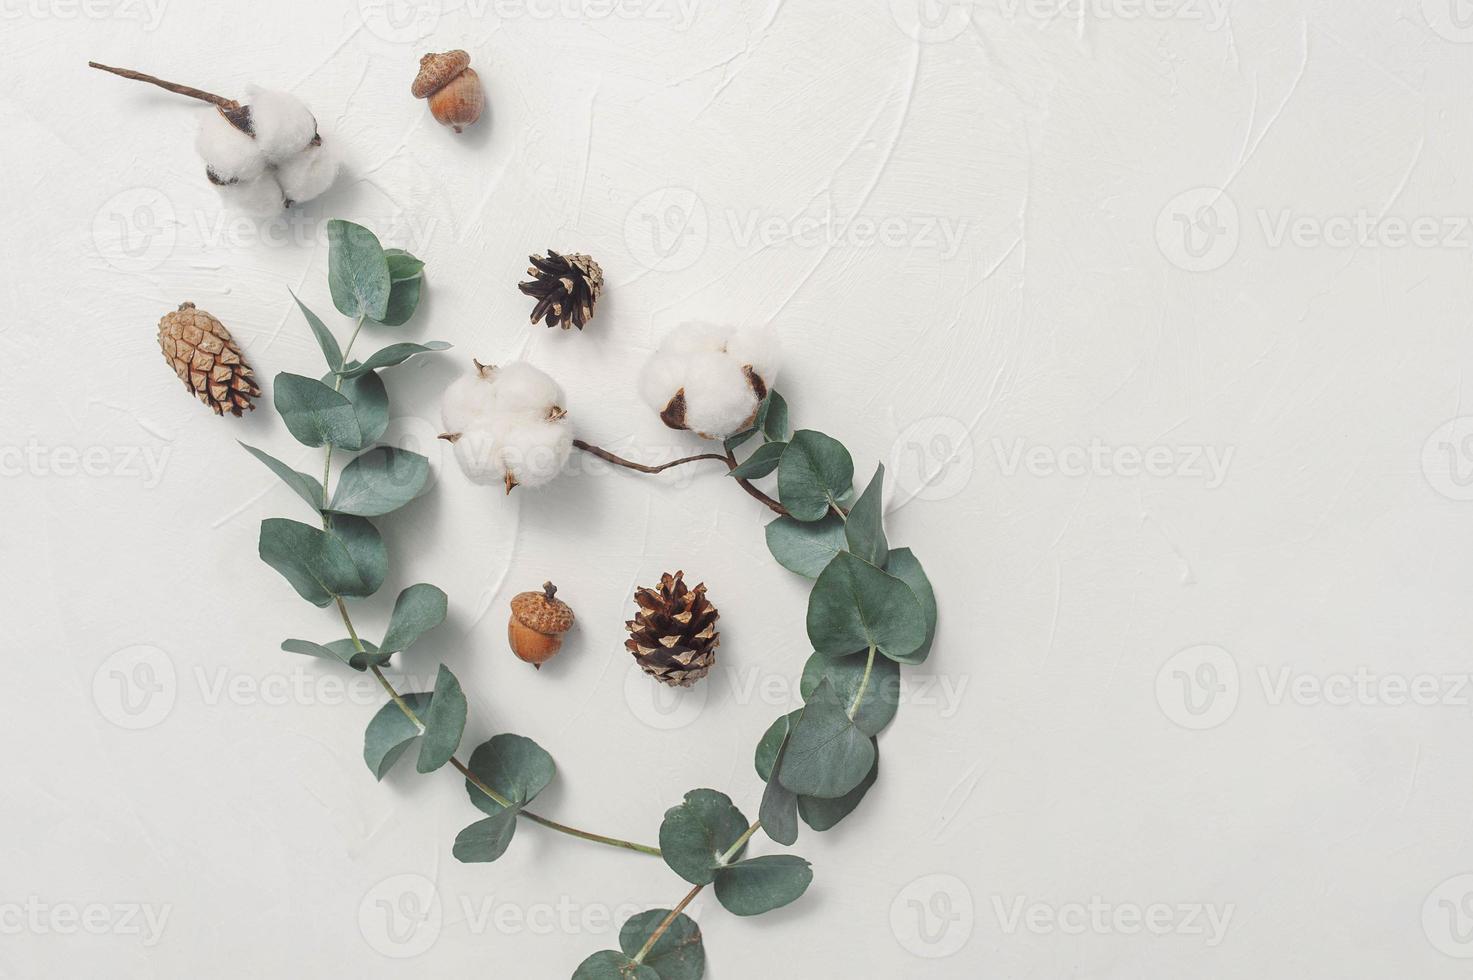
436,71
543,611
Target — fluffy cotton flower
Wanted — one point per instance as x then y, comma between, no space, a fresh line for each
710,378
261,197
309,173
508,425
230,154
283,126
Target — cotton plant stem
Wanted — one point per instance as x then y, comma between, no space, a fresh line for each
175,87
728,459
691,895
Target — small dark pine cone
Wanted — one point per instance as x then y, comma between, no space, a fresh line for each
673,635
566,288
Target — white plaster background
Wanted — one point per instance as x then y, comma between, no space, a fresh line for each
1072,306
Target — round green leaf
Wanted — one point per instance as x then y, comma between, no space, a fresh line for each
390,733
366,550
826,755
695,834
317,564
357,270
419,609
610,965
444,722
380,481
855,605
403,301
303,485
822,814
865,528
846,675
677,955
904,566
779,811
772,742
815,474
370,405
762,884
806,547
487,839
515,767
314,414
760,463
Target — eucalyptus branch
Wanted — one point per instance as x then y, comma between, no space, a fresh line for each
175,87
728,459
649,944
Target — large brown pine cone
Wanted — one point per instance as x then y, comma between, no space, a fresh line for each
673,634
199,349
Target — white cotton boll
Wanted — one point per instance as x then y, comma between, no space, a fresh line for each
697,337
308,173
519,387
534,453
229,153
478,451
260,198
467,402
282,124
663,375
759,349
719,400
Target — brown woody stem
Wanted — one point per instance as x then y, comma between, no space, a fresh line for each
193,93
728,459
690,896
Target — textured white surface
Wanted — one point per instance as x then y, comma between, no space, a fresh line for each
968,228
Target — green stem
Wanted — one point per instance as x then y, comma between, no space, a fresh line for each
691,895
337,385
869,667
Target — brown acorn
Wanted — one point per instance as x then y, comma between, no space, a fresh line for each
453,88
538,622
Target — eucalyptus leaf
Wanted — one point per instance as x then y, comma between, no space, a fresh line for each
865,528
380,481
365,547
779,811
404,297
695,834
314,414
486,839
339,651
847,675
762,884
761,462
826,755
370,405
608,964
402,265
823,815
444,722
394,354
305,486
774,421
806,547
357,270
855,605
904,566
515,767
390,733
325,340
771,743
677,955
815,474
316,564
419,609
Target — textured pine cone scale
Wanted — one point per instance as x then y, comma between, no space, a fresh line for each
203,355
566,288
673,634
